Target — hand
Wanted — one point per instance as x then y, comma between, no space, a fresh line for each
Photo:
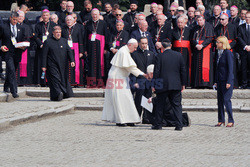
81,54
86,53
4,48
248,48
153,89
228,86
41,46
146,76
136,85
114,51
150,100
158,45
199,47
44,69
72,64
105,51
23,47
183,88
215,85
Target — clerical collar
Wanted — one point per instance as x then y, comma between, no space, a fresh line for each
95,21
46,22
71,26
133,12
108,13
56,38
63,10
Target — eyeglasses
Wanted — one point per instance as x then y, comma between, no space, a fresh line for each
196,15
118,14
218,42
171,10
222,19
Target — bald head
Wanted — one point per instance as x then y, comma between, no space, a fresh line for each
95,14
143,25
70,6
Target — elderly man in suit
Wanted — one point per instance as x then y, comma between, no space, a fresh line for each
10,34
170,71
244,41
143,32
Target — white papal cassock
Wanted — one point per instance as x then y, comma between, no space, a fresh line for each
119,105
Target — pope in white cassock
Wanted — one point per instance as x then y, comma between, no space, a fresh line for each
119,105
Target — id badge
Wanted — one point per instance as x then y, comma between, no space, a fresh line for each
114,44
93,36
44,38
70,42
13,40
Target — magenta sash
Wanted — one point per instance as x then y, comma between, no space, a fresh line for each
101,38
23,64
77,62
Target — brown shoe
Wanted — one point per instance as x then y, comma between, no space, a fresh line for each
230,124
219,124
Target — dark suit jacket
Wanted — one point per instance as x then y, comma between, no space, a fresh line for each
243,36
224,68
5,35
170,67
137,35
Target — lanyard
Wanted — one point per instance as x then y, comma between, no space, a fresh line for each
119,34
47,28
95,28
71,32
199,33
158,33
132,20
181,34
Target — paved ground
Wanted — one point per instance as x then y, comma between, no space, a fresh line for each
82,139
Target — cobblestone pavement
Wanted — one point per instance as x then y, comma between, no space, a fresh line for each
82,139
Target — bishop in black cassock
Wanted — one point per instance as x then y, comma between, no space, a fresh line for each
73,33
94,45
43,30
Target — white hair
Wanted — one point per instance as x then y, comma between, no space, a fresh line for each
201,6
150,68
132,41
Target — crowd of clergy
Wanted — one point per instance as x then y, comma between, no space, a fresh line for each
94,39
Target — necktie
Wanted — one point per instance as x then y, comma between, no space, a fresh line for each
13,31
143,34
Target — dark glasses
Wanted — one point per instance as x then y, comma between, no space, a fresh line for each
118,14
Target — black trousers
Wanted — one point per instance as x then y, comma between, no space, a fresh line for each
174,97
1,68
245,66
10,81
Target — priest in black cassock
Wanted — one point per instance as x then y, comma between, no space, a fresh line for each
202,59
43,30
234,19
161,31
181,43
73,33
229,30
56,56
94,47
130,16
215,19
152,17
143,58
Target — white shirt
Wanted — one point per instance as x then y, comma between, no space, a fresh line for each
15,30
142,33
242,22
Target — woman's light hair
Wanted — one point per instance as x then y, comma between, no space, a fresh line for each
224,41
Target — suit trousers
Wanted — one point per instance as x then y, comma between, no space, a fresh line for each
10,81
175,98
1,68
245,66
224,99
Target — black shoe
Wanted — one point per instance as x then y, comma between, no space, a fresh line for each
178,128
244,86
2,76
130,124
156,127
6,90
60,97
15,95
118,124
